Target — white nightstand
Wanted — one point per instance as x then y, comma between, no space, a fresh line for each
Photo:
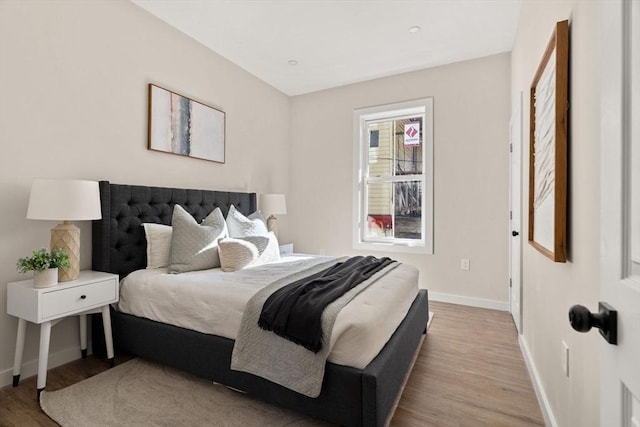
92,292
286,248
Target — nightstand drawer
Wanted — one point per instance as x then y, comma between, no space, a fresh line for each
78,298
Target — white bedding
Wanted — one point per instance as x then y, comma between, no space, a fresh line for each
212,302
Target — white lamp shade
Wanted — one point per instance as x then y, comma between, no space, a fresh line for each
273,204
64,200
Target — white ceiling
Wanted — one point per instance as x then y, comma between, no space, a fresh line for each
337,42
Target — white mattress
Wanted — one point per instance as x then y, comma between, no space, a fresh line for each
212,302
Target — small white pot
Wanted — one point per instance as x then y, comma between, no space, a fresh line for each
45,278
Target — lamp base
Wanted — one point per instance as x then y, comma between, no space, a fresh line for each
67,237
272,225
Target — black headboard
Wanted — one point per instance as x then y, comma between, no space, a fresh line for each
119,245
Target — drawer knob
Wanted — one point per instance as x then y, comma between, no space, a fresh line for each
83,297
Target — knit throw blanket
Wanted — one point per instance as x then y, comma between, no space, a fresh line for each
280,360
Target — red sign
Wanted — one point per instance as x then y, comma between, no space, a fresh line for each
412,133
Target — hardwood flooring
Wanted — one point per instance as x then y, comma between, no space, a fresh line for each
469,372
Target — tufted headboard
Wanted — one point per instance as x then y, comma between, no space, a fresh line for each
119,244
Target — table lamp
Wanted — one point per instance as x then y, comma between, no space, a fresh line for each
65,200
272,205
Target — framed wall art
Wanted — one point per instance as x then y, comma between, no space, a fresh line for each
180,125
548,148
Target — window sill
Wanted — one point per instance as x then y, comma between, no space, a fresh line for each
393,247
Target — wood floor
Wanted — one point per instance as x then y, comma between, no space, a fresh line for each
469,372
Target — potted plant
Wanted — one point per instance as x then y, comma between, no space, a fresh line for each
44,266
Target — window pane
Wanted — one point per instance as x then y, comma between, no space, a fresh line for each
408,210
395,147
408,146
379,210
394,210
380,148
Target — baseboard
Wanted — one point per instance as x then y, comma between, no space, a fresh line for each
470,301
543,401
30,367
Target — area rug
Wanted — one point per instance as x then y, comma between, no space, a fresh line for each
141,393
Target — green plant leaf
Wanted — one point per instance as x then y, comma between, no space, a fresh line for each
40,260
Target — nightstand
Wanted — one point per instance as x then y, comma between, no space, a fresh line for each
92,292
286,248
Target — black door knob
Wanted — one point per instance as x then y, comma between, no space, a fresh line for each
582,320
515,233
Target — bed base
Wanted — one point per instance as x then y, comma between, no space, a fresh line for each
349,396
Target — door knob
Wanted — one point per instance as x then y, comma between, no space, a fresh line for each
515,233
606,320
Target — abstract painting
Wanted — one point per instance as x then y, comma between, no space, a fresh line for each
548,148
180,125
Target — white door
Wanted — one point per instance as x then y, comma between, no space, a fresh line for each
620,209
515,200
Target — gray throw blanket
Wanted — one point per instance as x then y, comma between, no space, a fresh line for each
279,360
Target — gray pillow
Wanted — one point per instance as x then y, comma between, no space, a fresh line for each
194,246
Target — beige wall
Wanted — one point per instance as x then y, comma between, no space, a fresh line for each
550,289
73,104
471,121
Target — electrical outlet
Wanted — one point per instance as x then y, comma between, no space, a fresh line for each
464,264
565,358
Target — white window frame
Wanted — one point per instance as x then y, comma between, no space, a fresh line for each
423,107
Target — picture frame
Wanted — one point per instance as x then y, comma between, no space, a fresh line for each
183,126
549,100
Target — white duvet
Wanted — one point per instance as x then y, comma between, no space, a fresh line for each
212,302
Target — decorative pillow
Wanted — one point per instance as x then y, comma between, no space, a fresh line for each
241,226
258,215
250,251
194,246
158,244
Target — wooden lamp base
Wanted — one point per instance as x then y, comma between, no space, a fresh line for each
66,236
272,225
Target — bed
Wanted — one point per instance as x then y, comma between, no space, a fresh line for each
350,396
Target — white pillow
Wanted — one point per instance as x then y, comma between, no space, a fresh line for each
195,246
241,226
244,252
158,244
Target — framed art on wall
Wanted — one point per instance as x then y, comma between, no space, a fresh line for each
180,125
548,148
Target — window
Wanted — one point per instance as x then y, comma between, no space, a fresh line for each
393,164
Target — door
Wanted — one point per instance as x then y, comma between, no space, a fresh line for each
620,209
515,206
